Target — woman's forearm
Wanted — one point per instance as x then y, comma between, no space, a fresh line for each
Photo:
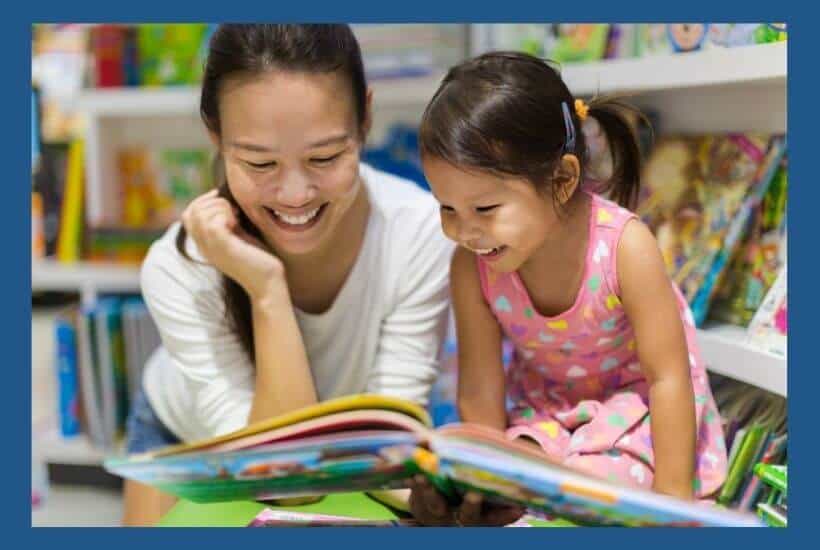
283,378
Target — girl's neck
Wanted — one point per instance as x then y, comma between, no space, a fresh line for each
565,247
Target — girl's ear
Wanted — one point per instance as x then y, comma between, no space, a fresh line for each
214,139
567,177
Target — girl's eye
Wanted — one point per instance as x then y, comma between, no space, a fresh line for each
484,209
325,160
447,209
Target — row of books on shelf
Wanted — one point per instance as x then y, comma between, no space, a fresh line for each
755,428
154,186
101,351
157,54
571,43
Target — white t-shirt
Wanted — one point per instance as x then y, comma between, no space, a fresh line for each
382,334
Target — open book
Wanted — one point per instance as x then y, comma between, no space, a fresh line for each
368,442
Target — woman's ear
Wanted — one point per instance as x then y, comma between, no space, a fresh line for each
567,177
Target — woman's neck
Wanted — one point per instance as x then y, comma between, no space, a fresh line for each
315,279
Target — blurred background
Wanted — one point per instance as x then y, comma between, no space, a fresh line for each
118,150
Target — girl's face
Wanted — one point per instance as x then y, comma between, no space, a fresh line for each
291,145
503,219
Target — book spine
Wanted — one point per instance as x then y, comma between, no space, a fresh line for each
108,45
67,383
88,378
71,217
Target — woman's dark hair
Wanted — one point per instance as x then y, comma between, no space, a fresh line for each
502,112
247,50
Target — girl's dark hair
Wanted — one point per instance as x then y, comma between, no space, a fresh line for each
248,50
502,112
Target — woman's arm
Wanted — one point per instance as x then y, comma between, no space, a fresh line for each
650,304
481,380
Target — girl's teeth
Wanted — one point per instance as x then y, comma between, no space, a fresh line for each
297,220
483,251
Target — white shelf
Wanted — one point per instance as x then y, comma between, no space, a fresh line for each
53,448
727,352
88,278
184,100
714,67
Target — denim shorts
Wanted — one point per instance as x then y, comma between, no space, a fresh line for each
144,430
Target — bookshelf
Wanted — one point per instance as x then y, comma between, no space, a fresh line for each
726,351
87,278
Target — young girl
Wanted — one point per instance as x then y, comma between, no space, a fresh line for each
606,375
299,279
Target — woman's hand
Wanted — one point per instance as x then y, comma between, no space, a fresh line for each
213,223
430,508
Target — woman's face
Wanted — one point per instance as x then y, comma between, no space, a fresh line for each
291,146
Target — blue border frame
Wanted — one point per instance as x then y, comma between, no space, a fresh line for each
15,335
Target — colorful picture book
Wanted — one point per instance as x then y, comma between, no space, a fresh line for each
769,327
370,442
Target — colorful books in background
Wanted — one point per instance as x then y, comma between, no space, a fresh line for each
150,54
49,185
570,43
768,329
156,185
102,348
70,233
759,258
575,42
169,54
68,394
774,507
698,196
370,442
755,426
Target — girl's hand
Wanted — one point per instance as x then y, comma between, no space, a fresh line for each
213,223
430,508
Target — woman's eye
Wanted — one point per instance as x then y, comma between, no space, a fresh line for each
325,160
483,209
260,165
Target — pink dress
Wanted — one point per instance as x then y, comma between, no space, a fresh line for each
574,381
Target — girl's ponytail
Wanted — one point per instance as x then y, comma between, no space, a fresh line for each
625,181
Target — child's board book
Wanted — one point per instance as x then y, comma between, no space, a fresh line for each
370,442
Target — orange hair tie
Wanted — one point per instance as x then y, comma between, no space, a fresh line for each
581,109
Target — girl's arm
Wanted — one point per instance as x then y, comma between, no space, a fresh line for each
481,381
649,301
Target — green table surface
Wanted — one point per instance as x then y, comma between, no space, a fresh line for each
239,514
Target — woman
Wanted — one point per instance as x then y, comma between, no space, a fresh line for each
306,275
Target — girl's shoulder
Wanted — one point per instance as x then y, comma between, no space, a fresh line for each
608,213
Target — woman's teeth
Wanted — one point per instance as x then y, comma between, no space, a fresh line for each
297,220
